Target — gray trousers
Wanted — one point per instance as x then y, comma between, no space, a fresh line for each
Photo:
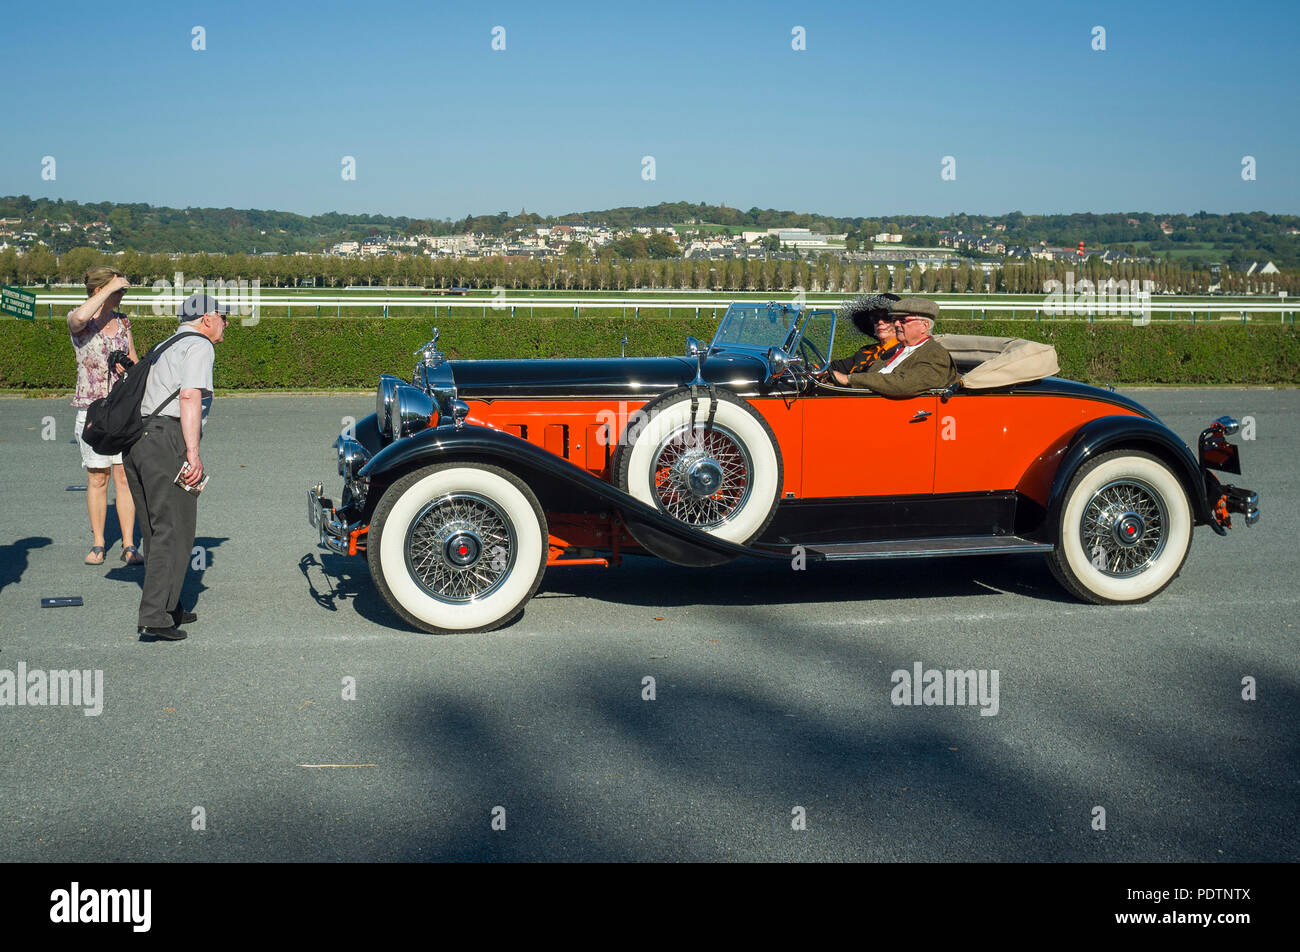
166,514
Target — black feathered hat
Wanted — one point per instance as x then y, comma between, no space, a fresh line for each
864,310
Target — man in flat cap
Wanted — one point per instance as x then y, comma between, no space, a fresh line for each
170,441
870,314
922,364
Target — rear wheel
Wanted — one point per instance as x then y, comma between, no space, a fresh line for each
721,476
1125,529
458,547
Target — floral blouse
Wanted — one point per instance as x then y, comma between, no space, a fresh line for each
92,348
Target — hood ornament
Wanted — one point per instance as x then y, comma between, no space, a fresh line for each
429,354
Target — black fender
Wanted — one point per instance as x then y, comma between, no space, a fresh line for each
366,432
446,444
1138,433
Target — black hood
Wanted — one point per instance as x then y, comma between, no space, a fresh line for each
602,376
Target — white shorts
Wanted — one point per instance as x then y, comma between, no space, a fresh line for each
89,458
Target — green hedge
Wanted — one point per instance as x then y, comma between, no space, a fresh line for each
312,354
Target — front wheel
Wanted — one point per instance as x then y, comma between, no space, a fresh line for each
458,547
1124,531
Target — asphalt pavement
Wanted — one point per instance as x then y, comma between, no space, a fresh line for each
771,735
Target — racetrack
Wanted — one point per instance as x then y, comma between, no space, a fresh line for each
772,690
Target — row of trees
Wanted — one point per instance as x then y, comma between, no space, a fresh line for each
1227,238
571,273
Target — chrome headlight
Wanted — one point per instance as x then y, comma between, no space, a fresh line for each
352,456
414,410
386,404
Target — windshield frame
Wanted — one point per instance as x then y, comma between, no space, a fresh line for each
788,343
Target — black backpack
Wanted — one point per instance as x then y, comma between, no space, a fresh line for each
113,423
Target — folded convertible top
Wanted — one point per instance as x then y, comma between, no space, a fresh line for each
1000,361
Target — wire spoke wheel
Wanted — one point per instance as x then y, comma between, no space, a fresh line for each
1123,527
1124,530
702,478
706,460
460,547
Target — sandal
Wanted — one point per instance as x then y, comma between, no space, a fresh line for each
131,555
95,550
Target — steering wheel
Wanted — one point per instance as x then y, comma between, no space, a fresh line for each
812,348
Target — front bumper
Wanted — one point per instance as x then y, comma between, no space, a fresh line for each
335,534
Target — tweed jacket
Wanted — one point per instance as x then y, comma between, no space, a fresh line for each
929,367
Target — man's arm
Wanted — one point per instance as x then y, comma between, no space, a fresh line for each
840,370
918,373
79,317
191,428
845,364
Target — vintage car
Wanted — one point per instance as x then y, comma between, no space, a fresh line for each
472,479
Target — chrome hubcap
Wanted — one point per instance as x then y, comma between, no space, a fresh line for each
1123,529
1129,529
701,479
703,476
460,547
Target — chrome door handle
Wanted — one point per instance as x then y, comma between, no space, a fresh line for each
920,415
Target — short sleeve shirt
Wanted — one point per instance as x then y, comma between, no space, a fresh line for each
185,365
92,347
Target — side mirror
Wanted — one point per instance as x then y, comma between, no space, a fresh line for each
693,347
778,362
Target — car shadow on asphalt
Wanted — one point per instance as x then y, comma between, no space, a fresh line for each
642,580
333,579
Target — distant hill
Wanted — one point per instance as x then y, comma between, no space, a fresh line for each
1200,238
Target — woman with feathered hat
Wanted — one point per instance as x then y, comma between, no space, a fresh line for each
869,314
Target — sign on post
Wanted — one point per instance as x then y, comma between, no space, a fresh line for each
18,302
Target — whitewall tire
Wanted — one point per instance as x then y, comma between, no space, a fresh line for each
724,478
458,547
1125,529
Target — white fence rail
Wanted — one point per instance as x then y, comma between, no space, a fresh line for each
166,304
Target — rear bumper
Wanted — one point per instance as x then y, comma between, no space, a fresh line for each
1215,452
335,534
1235,499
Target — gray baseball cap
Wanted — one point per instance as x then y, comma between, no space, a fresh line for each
198,304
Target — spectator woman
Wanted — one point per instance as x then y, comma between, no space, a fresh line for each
98,328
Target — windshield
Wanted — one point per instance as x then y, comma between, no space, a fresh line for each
756,327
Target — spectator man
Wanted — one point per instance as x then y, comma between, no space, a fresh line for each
923,363
179,388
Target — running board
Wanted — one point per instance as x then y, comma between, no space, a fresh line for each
927,548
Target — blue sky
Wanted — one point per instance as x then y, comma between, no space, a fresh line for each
442,125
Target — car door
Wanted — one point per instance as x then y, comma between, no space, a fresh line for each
862,444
